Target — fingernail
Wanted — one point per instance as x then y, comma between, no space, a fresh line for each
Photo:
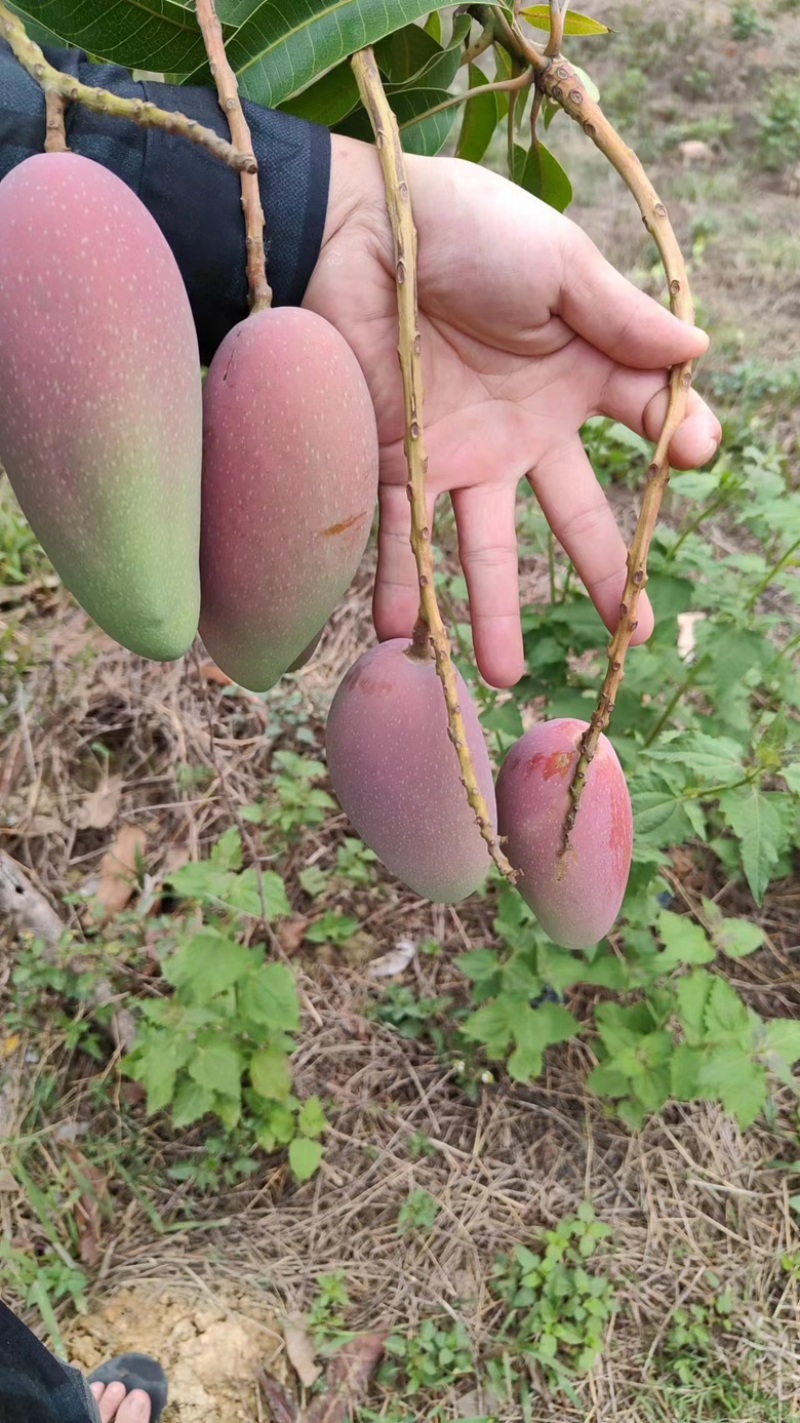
711,450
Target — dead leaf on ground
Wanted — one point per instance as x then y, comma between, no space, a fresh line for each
394,963
101,806
291,934
347,1377
282,1406
87,1210
118,874
301,1350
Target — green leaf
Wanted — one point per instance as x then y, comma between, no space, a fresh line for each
717,760
574,24
783,1039
693,994
726,1016
155,1063
217,1065
207,964
535,1030
271,1074
279,49
685,1067
481,117
684,942
327,102
268,996
741,1085
304,1157
735,937
758,824
659,817
493,1025
311,1121
190,1103
538,171
158,35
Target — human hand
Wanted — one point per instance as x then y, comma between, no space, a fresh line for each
526,332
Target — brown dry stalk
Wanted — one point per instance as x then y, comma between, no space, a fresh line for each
231,105
556,77
55,108
404,232
100,101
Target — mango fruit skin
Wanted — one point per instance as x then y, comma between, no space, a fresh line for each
397,777
101,398
290,475
575,898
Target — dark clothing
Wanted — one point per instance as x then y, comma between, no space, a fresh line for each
35,1387
194,198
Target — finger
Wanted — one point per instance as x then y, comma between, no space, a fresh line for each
487,543
581,519
395,603
608,311
639,399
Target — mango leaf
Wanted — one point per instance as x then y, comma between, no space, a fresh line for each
404,55
481,117
39,33
279,49
159,35
538,171
419,135
539,17
330,100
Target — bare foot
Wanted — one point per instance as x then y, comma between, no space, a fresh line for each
118,1406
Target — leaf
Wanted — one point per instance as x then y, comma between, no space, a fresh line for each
271,1074
741,1085
716,759
726,1015
419,135
330,100
190,1103
536,1030
268,996
574,24
280,48
659,817
155,1064
685,1066
735,937
304,1157
757,822
493,1025
347,1377
684,942
208,964
301,1350
118,874
783,1039
217,1065
538,171
311,1120
101,806
481,117
158,35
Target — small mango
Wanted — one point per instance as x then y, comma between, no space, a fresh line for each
397,776
575,896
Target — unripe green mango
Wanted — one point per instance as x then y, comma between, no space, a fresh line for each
397,775
101,399
576,897
290,475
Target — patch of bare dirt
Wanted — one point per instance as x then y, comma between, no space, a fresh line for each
209,1346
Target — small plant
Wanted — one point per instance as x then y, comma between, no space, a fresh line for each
326,1317
746,22
296,801
556,1311
430,1360
419,1212
780,127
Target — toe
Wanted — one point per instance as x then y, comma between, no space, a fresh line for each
110,1402
136,1408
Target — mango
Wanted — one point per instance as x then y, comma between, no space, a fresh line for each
290,474
576,897
101,398
307,653
397,776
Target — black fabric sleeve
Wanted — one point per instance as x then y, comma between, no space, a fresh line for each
194,198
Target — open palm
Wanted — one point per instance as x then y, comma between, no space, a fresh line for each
526,332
